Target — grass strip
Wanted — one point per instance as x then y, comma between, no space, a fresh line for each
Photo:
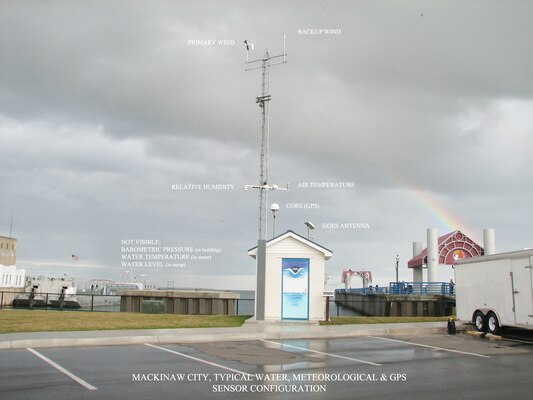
381,320
14,321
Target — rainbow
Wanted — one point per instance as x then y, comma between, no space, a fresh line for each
445,217
448,220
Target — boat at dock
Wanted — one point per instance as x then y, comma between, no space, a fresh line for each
48,292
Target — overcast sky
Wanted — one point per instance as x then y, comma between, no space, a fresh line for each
425,107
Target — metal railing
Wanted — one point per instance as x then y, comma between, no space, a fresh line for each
368,290
407,288
422,288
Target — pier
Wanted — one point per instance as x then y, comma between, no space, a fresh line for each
400,299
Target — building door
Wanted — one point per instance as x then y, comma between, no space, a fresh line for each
522,280
295,288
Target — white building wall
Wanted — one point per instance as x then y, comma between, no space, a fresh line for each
292,248
11,277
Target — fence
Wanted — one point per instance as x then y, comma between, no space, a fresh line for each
54,301
98,302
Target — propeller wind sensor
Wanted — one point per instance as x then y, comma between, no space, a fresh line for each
249,46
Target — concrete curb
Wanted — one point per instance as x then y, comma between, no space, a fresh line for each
211,337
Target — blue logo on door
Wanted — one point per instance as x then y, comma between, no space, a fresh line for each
295,288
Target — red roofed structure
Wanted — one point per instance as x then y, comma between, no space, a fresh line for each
451,247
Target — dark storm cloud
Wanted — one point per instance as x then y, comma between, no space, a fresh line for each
104,106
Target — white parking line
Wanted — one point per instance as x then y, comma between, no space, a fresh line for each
430,347
321,352
61,369
199,359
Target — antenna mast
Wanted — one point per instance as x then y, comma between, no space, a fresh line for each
263,101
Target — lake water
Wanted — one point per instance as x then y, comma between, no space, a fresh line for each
246,305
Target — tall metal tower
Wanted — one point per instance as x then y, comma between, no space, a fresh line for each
263,100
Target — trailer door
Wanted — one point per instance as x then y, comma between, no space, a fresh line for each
522,279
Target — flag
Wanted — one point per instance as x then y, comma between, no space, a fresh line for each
74,258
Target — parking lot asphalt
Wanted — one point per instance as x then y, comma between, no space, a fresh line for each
413,365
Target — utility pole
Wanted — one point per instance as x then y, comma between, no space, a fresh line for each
263,186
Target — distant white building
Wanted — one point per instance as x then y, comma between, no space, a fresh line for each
11,277
8,250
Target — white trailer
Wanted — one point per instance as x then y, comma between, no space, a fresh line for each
496,290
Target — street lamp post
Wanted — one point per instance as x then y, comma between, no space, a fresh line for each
397,261
274,207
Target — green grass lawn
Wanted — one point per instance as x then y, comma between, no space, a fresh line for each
381,320
12,321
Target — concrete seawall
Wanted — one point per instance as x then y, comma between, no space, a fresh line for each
387,305
180,302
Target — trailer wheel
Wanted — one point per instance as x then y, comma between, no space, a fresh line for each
479,321
493,325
